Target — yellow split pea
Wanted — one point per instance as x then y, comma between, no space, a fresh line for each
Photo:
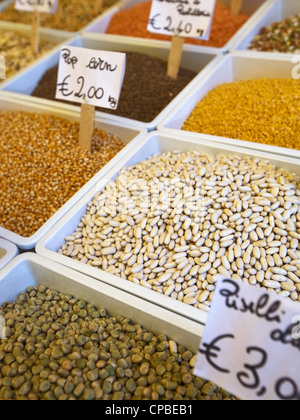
262,111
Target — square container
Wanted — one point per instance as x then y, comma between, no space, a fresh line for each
152,144
201,63
278,11
236,66
254,8
129,134
7,3
31,270
8,251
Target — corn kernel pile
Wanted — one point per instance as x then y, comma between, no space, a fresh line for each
262,111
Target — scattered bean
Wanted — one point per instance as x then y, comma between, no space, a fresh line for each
120,361
37,153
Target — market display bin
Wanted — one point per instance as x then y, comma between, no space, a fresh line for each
278,11
254,8
129,134
201,63
57,37
30,270
236,66
152,144
8,251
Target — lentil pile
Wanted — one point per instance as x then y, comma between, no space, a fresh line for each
71,15
262,111
41,167
17,50
177,221
134,21
281,36
146,89
62,348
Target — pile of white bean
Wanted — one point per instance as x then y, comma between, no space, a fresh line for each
176,222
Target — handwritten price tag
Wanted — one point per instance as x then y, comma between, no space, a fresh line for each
90,77
41,6
251,344
189,18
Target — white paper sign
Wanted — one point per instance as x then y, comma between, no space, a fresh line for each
251,343
186,18
90,76
42,6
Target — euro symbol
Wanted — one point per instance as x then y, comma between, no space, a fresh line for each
64,87
152,22
211,351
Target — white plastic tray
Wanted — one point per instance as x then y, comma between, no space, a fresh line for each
51,30
200,63
30,270
254,8
130,134
234,67
8,251
152,144
278,11
4,4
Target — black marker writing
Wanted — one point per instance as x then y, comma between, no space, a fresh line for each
262,308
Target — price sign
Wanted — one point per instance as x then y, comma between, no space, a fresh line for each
186,18
90,77
41,6
251,344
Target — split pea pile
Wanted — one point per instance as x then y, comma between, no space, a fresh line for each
41,167
177,221
71,15
17,50
262,111
62,348
281,36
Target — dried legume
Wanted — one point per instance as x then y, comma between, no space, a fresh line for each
283,36
92,358
146,89
71,15
41,166
261,111
17,50
241,215
134,22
